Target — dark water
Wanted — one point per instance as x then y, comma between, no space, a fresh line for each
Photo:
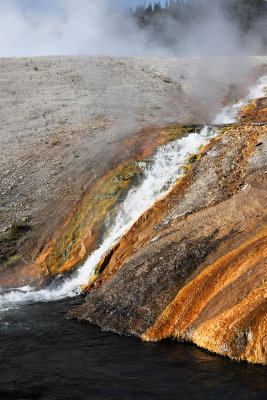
43,356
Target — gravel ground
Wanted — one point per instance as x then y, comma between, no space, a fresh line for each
63,119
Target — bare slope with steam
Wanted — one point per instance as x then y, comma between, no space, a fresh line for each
63,120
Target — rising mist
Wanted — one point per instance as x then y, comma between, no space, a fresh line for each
103,27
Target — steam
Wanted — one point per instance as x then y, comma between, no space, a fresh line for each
159,178
61,27
229,113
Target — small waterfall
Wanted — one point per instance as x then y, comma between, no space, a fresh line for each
159,177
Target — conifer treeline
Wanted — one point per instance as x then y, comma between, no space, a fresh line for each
245,13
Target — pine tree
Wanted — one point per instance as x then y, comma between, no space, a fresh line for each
157,7
244,13
149,9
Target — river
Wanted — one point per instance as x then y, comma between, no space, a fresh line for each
44,356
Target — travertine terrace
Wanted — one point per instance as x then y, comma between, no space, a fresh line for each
64,121
193,266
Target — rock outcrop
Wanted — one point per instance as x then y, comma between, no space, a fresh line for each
62,131
83,230
193,267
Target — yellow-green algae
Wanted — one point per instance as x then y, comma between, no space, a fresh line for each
89,222
193,158
173,132
101,201
12,260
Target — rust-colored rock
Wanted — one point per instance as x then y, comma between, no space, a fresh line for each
223,309
82,231
244,140
256,112
194,265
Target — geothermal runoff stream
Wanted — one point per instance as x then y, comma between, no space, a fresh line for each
159,177
44,356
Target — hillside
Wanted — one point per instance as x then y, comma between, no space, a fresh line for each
78,133
65,118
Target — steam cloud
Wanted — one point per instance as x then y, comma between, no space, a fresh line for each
62,27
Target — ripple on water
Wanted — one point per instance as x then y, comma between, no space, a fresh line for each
44,356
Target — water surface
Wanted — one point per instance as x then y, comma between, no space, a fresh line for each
44,356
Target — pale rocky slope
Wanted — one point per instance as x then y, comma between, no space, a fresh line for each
63,120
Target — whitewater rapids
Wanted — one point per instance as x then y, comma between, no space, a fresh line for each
159,177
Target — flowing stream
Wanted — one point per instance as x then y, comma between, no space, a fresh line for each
44,356
159,177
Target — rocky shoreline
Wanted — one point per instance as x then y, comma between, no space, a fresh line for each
192,267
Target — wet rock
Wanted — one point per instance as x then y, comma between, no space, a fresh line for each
192,266
200,275
93,216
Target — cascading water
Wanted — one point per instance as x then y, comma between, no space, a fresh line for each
159,177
